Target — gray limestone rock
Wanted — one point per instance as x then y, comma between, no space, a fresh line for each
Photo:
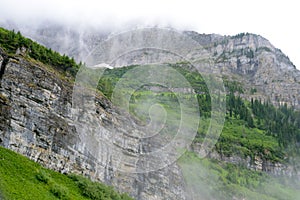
36,121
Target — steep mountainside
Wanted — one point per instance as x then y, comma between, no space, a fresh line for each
36,121
38,115
253,61
265,72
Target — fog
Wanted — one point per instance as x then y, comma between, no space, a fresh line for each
276,21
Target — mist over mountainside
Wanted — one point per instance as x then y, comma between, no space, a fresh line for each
39,117
73,41
246,58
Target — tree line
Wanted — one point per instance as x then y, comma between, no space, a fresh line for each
10,41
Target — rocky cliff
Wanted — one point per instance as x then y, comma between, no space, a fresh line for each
252,60
36,121
37,118
247,58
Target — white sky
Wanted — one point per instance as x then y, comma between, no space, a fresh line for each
275,20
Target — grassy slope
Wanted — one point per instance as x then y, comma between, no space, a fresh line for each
21,178
237,138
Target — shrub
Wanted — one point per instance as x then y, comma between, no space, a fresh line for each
97,191
43,177
59,191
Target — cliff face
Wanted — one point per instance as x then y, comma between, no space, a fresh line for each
246,58
256,163
253,61
36,111
36,121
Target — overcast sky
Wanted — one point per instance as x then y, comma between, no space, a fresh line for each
278,21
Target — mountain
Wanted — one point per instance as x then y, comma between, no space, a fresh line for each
36,121
40,120
247,58
256,63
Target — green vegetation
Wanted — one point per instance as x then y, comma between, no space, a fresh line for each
240,35
248,52
21,178
261,49
238,139
212,179
253,90
96,191
251,128
111,77
11,41
283,123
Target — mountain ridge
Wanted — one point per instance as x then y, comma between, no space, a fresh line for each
249,58
47,135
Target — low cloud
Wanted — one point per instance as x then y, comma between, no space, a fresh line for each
277,21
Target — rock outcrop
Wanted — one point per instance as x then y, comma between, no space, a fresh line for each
36,120
256,163
253,61
36,114
246,58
